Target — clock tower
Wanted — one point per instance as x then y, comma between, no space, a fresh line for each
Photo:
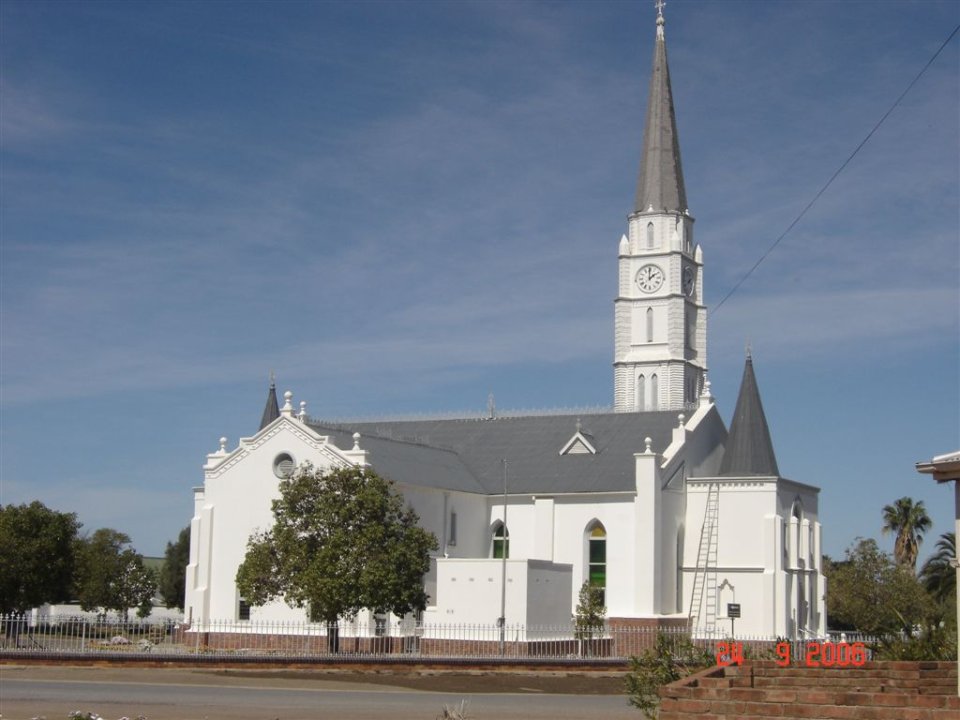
660,336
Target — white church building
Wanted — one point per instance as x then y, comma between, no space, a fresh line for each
657,502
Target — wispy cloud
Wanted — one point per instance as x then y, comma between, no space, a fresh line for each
387,210
813,327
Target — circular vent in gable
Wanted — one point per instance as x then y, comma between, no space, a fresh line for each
283,465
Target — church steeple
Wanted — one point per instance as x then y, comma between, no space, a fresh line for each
660,321
272,409
749,450
660,185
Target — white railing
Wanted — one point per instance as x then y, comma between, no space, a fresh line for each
70,636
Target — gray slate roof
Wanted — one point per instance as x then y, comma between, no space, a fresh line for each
661,175
465,455
749,449
271,410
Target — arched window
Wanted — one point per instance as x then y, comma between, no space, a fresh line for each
641,393
649,324
785,542
501,541
654,399
597,558
796,520
650,238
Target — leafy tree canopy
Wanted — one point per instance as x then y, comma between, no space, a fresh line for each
870,592
909,522
111,575
36,556
173,579
939,574
342,540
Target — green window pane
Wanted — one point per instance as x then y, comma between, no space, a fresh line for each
598,551
598,576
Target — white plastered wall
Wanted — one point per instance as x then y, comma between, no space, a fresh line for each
235,502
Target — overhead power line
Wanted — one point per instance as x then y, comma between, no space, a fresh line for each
835,174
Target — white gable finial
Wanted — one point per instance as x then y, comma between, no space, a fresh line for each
705,394
681,418
302,415
649,444
223,446
287,408
356,441
579,425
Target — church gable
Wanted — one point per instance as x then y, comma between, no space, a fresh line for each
582,443
290,440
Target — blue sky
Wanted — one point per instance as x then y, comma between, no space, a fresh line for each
401,207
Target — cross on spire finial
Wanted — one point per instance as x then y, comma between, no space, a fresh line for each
661,21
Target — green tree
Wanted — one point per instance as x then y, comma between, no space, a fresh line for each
939,573
111,575
36,556
173,580
590,612
342,540
870,592
909,521
589,616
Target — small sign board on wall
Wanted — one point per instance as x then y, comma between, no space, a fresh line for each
733,610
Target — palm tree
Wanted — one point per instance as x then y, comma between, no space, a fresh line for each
909,521
939,574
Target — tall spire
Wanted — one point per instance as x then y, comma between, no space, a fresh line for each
749,450
272,409
660,186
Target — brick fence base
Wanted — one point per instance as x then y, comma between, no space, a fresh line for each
398,645
634,635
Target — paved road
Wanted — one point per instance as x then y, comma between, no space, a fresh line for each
161,694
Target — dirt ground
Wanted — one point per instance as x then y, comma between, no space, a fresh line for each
447,681
563,683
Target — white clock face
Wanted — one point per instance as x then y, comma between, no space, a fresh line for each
649,278
689,280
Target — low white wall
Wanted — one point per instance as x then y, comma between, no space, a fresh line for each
469,592
63,611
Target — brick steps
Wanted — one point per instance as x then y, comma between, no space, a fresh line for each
761,689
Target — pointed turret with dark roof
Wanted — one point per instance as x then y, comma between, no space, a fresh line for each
660,186
749,450
272,409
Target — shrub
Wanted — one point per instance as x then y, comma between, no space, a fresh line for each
670,659
932,642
